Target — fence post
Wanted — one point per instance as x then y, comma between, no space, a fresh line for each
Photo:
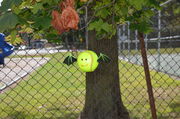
129,41
146,42
124,39
159,40
119,39
147,75
136,44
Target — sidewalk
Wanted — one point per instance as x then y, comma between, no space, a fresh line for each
17,68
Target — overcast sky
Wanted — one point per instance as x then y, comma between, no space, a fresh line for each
0,2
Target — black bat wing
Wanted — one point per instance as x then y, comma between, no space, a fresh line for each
103,58
69,60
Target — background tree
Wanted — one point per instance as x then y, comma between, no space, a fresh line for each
103,97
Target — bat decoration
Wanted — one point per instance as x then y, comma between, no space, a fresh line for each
103,58
87,61
69,60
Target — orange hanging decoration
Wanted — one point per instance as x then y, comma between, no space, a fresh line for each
68,19
57,22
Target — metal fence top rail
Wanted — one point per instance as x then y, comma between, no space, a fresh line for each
167,2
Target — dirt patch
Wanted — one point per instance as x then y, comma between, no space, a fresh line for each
166,93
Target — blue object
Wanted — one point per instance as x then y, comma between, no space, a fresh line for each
6,49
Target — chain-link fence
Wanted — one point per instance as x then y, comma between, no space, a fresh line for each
164,61
35,84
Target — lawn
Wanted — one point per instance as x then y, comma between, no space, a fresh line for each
57,91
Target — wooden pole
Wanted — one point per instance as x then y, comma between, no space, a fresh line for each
147,75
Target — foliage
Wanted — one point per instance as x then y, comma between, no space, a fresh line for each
36,14
8,21
14,39
137,12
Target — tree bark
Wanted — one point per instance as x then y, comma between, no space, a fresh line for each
103,98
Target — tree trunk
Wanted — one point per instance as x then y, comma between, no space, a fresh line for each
103,98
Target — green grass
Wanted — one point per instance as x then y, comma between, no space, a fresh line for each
166,91
57,91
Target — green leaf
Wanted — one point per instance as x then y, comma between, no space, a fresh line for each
103,28
103,13
43,22
7,4
37,7
16,10
143,27
99,25
107,27
53,38
8,21
13,36
138,4
96,25
154,3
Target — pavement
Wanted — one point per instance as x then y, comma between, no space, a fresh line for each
50,50
166,63
37,51
17,68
